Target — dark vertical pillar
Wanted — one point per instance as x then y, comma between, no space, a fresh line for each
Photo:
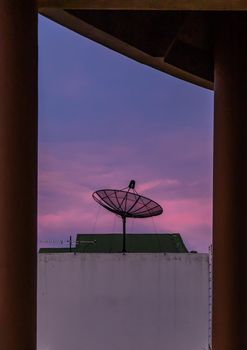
18,173
230,184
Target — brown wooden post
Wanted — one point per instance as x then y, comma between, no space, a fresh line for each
230,184
18,174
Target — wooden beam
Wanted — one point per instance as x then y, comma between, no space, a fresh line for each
171,5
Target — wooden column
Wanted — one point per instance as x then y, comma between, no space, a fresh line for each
230,184
18,174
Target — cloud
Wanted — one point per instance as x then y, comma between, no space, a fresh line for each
68,176
159,183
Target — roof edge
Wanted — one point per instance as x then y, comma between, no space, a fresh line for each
64,18
202,5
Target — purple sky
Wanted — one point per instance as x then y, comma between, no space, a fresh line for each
104,120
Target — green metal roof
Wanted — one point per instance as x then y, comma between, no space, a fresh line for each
135,243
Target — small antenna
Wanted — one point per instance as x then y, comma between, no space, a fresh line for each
70,243
67,242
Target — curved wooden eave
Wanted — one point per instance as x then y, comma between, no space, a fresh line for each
64,18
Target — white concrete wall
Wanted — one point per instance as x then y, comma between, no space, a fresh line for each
123,302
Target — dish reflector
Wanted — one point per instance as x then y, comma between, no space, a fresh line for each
126,203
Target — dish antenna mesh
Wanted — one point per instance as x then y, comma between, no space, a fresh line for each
127,203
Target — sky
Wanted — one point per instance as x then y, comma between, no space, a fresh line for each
105,119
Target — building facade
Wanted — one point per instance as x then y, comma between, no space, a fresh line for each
118,301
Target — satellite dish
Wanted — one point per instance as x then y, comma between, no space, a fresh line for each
127,203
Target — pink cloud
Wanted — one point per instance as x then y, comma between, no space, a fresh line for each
67,178
164,183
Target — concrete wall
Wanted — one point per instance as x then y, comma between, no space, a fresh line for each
122,302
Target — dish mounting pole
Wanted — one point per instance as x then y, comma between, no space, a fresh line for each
124,234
